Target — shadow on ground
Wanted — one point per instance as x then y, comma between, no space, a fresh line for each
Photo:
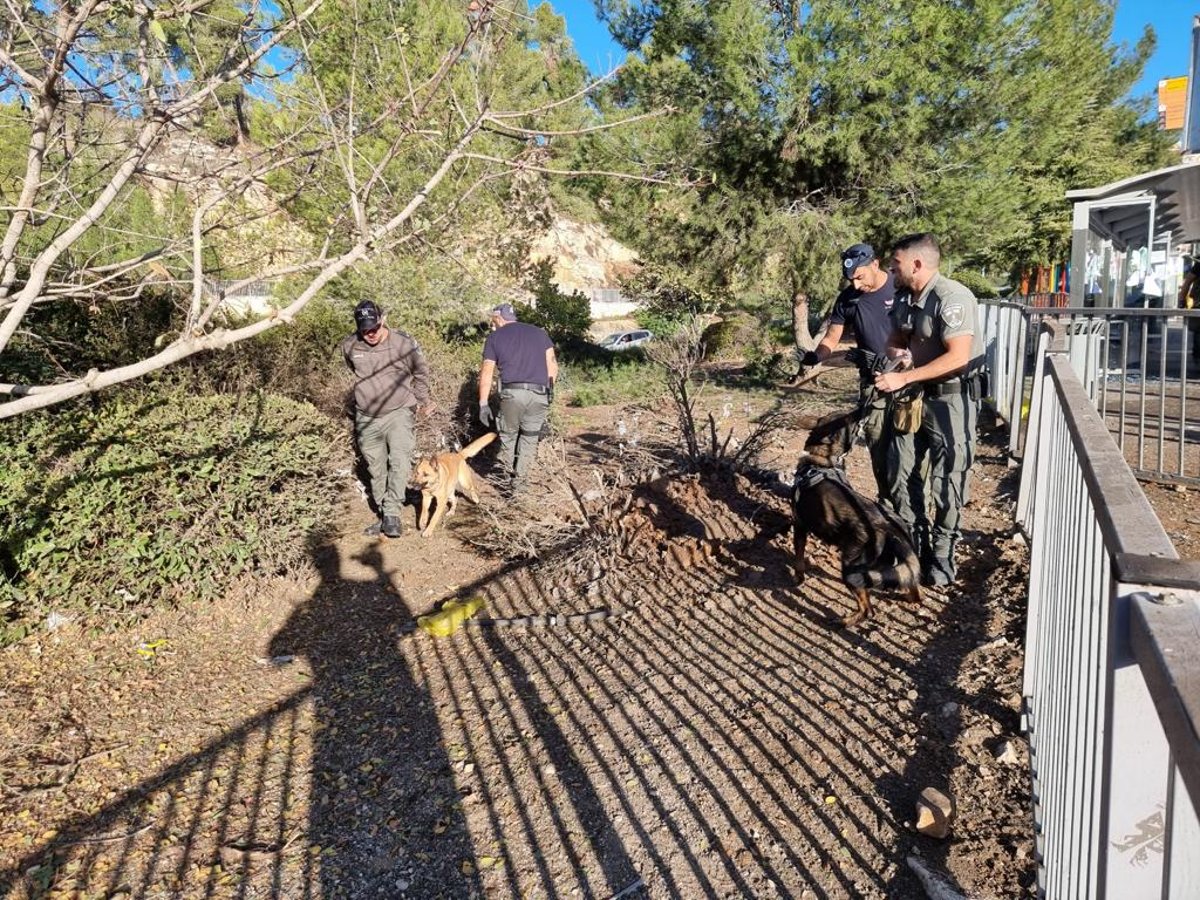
711,738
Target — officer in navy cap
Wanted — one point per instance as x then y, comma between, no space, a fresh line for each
865,304
523,354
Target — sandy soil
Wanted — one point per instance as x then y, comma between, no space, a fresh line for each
712,736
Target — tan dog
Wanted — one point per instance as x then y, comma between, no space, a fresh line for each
440,477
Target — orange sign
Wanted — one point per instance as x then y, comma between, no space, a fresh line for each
1172,98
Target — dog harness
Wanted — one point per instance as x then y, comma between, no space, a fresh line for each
809,475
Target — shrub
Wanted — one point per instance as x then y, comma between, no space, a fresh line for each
662,322
978,283
733,337
301,360
156,498
620,378
564,316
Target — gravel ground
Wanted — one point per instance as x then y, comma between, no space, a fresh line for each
713,736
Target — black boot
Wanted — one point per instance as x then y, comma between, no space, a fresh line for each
392,527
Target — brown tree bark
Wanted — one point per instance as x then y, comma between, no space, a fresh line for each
800,333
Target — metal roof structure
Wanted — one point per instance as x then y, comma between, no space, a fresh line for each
1124,211
1150,210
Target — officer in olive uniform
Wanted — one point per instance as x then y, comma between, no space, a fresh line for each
938,324
391,381
866,303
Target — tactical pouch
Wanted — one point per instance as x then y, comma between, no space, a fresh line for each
906,414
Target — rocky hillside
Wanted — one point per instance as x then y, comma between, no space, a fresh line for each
585,256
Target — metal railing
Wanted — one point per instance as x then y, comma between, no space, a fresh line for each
1112,665
1134,365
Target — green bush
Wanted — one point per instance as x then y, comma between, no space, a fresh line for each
565,316
625,377
737,335
663,322
978,283
301,360
156,498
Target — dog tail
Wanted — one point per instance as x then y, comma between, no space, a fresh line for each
478,444
896,567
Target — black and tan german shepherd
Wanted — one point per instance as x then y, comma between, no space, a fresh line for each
876,549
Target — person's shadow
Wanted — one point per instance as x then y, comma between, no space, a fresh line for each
383,805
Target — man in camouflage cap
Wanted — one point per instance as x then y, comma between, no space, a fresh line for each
938,324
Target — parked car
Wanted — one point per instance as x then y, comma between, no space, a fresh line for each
624,340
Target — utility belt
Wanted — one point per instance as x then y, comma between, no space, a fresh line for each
974,384
525,386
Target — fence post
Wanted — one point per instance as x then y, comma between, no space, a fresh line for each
1029,462
1016,401
1164,636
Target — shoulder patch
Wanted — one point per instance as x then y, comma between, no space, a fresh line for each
952,314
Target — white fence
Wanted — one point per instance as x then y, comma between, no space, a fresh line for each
1112,669
1134,365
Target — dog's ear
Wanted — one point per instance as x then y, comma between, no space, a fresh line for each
834,431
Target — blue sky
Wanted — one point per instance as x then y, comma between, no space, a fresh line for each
1171,20
1172,23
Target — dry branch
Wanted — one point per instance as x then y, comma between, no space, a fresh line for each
326,141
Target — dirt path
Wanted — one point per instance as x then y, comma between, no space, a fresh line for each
716,738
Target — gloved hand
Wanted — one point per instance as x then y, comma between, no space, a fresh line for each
810,359
486,416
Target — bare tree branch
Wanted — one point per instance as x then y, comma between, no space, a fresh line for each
366,161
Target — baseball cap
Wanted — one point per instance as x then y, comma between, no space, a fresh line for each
505,312
367,316
858,255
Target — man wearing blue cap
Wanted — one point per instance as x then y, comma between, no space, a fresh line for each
866,304
392,382
524,356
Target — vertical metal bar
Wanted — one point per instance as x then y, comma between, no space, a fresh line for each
1125,323
1075,650
1135,758
1183,384
1182,850
1057,638
1141,437
1017,392
999,388
1106,332
1100,630
1029,484
1087,806
1160,466
1093,358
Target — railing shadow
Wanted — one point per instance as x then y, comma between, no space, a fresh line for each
710,738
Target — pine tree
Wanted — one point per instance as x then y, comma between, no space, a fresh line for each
824,122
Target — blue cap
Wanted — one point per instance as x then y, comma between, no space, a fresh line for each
858,255
505,312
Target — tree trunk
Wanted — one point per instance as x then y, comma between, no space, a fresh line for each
800,334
